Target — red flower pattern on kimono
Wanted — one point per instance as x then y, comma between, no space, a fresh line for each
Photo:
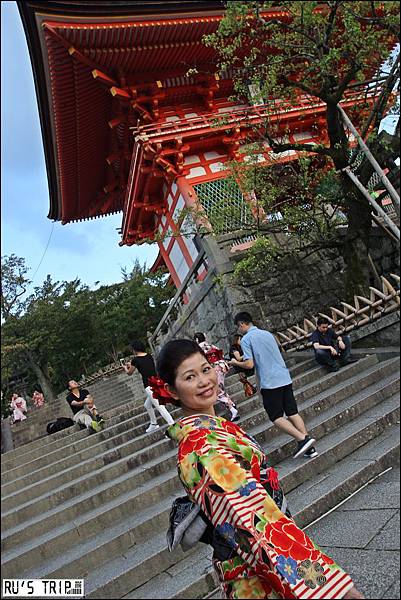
240,495
231,427
289,540
193,442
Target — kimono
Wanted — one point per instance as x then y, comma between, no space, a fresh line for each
38,399
216,358
259,552
18,405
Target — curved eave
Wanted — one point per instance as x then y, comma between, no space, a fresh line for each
32,13
123,8
44,102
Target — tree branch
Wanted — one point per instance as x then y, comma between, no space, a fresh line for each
277,147
331,19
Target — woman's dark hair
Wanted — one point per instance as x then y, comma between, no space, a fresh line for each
138,346
199,337
172,355
236,339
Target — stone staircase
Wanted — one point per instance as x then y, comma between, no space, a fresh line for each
110,391
96,506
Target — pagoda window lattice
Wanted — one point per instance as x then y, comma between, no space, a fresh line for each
224,204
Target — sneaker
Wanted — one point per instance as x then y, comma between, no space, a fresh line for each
304,446
96,426
311,453
349,361
333,369
234,414
152,427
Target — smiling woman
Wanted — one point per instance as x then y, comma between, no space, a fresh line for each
258,550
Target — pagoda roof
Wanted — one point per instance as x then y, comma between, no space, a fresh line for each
79,51
99,68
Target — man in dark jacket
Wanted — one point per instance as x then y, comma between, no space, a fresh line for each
331,350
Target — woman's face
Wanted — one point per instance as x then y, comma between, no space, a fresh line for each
195,386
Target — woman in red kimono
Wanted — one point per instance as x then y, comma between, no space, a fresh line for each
259,552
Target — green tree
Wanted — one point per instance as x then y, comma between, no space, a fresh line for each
14,284
66,329
322,50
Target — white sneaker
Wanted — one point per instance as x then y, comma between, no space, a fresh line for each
152,427
234,413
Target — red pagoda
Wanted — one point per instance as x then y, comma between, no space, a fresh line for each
128,97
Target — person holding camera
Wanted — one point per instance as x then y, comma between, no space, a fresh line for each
145,365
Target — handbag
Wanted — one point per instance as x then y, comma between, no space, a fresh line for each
186,524
249,389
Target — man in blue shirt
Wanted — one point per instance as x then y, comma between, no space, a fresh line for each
261,352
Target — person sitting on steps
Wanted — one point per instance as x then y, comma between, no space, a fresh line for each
331,350
92,409
81,404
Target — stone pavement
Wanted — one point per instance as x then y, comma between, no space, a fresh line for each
363,536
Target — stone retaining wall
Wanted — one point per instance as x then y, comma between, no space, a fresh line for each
277,300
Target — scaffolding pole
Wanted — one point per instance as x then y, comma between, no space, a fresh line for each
391,190
382,213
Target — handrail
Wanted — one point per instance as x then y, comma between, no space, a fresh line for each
180,292
349,317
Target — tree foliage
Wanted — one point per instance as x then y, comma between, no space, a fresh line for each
311,52
66,329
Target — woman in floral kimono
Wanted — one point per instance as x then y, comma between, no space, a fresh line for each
259,552
38,399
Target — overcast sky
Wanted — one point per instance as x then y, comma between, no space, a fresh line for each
88,250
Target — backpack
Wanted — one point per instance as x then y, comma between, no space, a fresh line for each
59,424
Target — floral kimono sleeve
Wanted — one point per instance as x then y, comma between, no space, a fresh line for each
278,552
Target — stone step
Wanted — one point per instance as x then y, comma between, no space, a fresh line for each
35,426
59,407
132,429
35,447
49,457
27,556
40,447
122,482
103,453
115,578
117,393
193,576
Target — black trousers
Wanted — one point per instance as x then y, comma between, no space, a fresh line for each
324,357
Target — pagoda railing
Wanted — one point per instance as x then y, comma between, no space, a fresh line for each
251,114
349,317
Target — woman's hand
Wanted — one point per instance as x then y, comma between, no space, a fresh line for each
353,594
